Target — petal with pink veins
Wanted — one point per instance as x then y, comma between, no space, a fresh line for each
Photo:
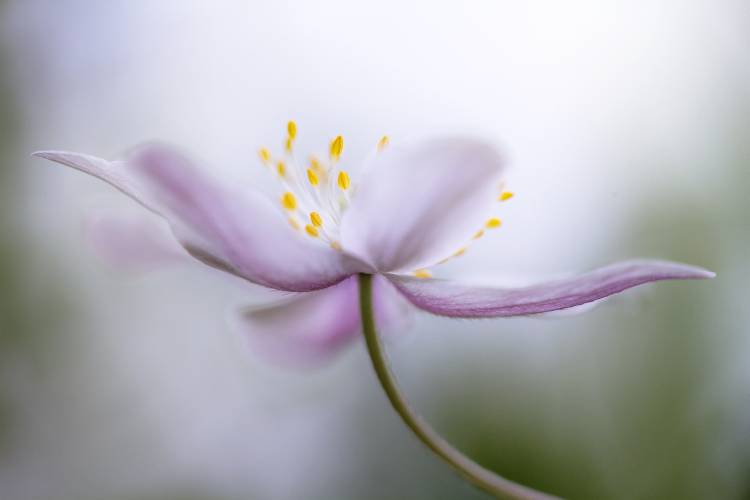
447,298
417,204
235,230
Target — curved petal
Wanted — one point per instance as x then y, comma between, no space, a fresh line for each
416,205
446,298
238,231
309,328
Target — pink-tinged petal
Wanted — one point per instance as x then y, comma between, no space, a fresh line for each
235,230
132,242
447,298
418,204
307,329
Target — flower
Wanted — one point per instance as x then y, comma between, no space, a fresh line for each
412,208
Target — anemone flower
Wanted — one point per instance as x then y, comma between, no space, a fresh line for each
333,242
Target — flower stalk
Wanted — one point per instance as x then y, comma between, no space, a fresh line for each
472,472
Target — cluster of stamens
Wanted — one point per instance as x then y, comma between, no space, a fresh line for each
315,197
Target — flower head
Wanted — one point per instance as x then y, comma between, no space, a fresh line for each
411,208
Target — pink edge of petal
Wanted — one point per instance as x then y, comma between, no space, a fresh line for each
446,298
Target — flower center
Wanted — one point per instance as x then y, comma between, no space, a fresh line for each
315,195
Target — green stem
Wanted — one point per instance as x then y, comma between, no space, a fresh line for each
474,473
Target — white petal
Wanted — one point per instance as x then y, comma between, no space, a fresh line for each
304,329
417,204
235,230
310,328
446,298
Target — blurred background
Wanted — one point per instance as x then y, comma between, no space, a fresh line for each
628,129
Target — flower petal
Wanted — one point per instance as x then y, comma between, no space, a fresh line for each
416,205
238,231
446,298
307,329
132,242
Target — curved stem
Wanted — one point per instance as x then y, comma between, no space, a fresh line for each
474,473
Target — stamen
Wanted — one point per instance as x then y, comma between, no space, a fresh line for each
493,223
318,207
312,177
457,253
316,219
316,165
265,155
291,128
337,146
422,274
288,201
343,180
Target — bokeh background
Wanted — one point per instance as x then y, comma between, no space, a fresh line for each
628,129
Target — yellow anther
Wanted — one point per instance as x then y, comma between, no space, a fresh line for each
288,201
343,180
337,146
281,169
312,177
478,234
493,223
312,230
316,219
506,195
293,222
422,274
316,165
265,155
291,128
336,245
383,143
289,145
